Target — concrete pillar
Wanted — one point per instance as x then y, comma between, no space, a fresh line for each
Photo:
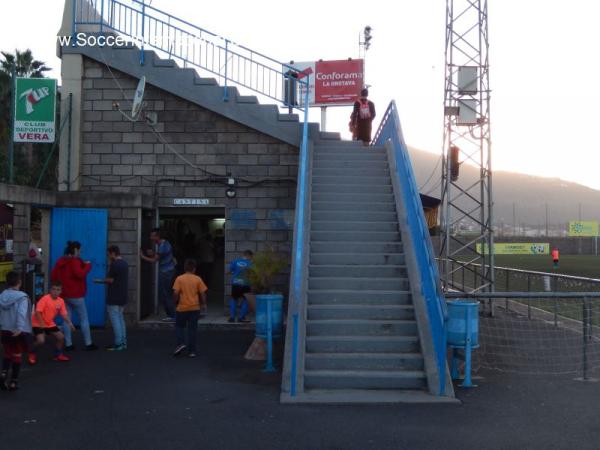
69,159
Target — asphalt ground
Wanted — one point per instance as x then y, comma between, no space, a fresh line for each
144,398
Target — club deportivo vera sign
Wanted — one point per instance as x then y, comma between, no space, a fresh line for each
35,110
336,82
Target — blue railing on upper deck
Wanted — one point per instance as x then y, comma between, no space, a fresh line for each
390,129
178,39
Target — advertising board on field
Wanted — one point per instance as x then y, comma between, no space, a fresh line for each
519,248
583,228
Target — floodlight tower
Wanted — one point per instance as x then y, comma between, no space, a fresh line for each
467,204
363,46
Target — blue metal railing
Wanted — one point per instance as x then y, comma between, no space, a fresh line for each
390,129
146,25
299,267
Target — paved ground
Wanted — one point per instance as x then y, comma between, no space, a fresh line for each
146,399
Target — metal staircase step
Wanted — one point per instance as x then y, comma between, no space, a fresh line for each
158,62
247,99
345,147
357,271
360,327
353,206
349,156
324,225
205,81
328,188
352,247
365,297
364,361
359,197
350,171
362,344
365,379
367,312
366,284
356,181
330,135
343,163
357,259
288,118
356,236
357,215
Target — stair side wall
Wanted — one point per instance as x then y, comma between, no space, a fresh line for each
427,346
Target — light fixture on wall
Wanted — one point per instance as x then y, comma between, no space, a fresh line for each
230,192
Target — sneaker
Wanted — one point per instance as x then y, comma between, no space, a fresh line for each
13,385
61,357
115,348
244,320
91,347
231,320
191,355
178,350
32,358
69,348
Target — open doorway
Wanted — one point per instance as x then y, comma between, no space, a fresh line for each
198,234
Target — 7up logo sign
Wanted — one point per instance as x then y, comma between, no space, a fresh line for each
35,110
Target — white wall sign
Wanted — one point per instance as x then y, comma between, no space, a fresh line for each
191,202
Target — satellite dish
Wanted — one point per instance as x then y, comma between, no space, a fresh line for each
138,98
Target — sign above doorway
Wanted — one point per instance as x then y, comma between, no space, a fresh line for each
191,202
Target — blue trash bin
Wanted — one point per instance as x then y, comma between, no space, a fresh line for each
276,301
456,326
462,332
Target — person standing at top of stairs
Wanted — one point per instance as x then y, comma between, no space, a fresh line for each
362,117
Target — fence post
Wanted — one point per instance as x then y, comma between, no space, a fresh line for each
528,298
463,277
101,16
225,90
586,335
142,57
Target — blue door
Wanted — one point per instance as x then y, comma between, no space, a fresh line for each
90,227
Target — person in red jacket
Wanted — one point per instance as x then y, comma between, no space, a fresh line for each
555,257
71,271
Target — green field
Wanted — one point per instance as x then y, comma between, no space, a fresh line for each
578,265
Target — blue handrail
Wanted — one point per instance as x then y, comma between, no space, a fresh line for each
390,129
297,287
192,45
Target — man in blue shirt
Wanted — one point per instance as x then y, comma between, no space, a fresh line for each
166,271
239,286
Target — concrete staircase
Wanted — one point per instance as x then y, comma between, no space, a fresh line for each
362,339
167,75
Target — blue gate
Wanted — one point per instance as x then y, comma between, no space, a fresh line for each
90,227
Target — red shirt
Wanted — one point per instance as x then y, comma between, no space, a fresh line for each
48,308
555,255
71,272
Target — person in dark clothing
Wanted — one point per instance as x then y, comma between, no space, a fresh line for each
117,280
362,117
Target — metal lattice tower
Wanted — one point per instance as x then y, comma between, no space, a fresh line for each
467,204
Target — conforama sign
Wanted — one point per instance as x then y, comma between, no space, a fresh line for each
333,82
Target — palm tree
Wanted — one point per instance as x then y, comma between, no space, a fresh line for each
25,66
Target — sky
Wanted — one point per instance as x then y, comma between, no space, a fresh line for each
544,65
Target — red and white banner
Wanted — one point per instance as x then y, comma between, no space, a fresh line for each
332,82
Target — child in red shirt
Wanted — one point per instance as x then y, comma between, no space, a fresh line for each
42,321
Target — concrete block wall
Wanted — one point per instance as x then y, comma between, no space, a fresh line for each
21,232
123,231
121,156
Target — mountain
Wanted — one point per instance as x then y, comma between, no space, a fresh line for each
528,193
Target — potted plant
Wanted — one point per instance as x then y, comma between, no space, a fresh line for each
266,265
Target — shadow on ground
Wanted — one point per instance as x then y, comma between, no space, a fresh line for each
145,399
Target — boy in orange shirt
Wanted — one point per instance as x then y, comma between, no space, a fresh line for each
42,321
189,294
